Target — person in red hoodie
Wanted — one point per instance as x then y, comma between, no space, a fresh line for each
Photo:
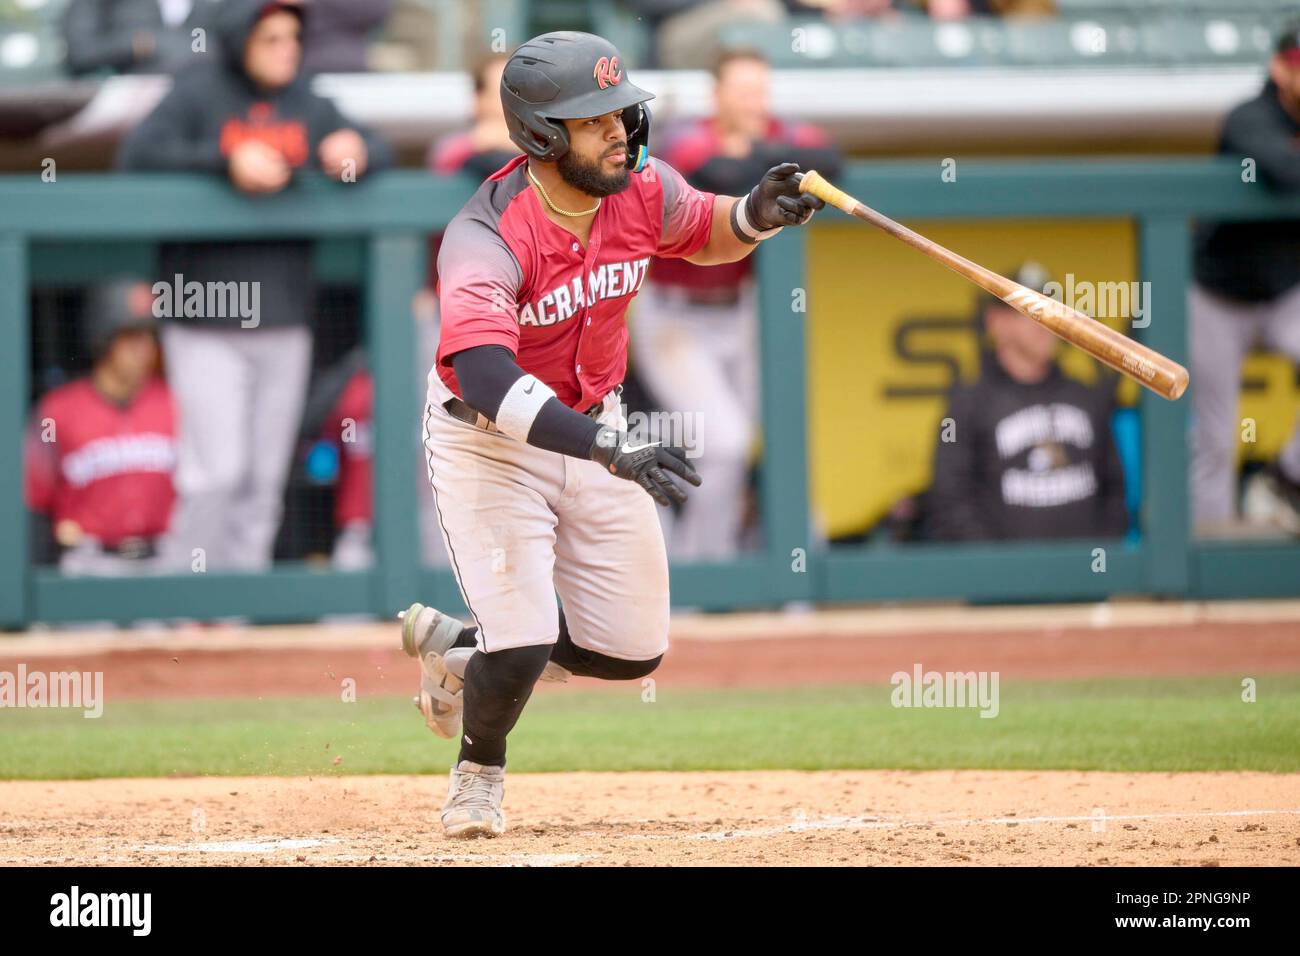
101,450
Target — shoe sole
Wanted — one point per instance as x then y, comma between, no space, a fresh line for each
448,730
409,617
410,647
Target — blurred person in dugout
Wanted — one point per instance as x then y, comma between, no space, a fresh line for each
485,146
101,450
694,333
1028,452
1247,293
136,36
348,428
237,314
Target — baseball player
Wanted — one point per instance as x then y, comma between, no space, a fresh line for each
536,485
101,451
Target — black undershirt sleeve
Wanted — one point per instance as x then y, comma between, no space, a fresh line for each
487,372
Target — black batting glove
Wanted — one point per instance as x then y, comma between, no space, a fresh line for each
776,200
645,464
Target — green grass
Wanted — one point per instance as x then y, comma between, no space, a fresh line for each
1123,725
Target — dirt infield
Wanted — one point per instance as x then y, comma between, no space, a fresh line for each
737,818
742,818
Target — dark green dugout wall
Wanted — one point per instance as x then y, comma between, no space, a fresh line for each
83,227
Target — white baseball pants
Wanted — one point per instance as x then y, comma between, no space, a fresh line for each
521,524
239,394
1222,332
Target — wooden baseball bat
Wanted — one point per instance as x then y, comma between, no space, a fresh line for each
1147,367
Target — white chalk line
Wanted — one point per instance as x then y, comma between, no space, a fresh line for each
233,846
487,859
432,855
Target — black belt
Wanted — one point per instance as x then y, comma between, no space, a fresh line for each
457,408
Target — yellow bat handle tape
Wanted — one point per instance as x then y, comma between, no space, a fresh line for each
812,182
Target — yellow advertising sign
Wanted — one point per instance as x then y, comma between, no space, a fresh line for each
889,330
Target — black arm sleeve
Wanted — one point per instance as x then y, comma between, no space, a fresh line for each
487,372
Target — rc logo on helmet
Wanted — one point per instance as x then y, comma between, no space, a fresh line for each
607,72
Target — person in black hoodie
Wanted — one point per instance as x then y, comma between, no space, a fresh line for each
1247,291
1025,452
239,351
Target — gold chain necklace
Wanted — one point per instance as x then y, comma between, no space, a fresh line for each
556,209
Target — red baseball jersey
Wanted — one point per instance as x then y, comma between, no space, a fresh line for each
109,467
509,276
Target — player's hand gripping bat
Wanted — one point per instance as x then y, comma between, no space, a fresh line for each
1162,375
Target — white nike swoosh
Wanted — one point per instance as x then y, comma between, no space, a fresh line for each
629,449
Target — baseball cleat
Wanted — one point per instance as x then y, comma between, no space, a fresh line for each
441,701
473,806
428,635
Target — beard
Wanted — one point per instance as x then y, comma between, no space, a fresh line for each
587,176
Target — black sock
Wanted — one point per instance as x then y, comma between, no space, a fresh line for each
584,663
497,686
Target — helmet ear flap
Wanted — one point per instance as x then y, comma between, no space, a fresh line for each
539,136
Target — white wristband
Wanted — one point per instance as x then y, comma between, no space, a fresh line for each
745,230
519,408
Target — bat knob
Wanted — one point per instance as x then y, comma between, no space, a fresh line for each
1179,384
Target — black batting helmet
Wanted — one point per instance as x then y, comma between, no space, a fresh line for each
570,75
121,304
